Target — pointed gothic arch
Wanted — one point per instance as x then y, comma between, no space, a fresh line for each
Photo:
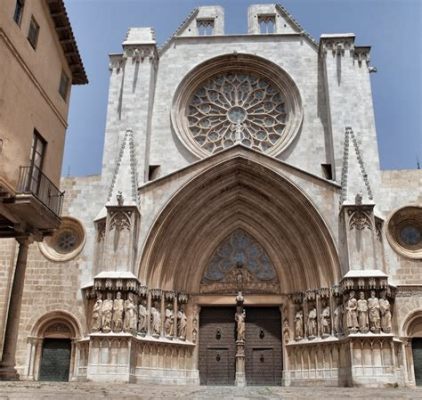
239,193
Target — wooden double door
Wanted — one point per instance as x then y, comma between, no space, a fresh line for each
217,346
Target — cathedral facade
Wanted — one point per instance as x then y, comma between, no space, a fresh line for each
241,231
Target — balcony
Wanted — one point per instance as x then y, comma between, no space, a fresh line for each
35,207
33,181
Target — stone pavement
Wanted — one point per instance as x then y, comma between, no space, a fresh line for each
94,391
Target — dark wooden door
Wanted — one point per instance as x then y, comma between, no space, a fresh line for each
263,346
55,360
417,359
217,347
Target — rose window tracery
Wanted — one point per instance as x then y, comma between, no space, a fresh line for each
237,107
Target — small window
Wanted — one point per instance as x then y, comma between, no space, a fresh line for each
266,23
17,16
64,86
37,160
205,27
33,32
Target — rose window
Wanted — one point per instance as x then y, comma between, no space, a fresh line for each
234,108
66,242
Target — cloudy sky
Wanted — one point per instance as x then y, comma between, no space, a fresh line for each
392,27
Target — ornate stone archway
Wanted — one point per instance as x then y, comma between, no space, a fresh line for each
239,193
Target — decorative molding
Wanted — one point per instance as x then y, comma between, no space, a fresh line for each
289,17
179,30
127,141
349,138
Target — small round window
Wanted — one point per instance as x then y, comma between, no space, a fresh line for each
66,242
405,231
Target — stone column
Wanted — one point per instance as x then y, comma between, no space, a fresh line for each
7,364
240,347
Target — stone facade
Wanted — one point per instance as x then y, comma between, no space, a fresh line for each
306,222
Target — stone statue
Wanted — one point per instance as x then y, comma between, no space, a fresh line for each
299,325
155,321
182,323
325,320
240,318
107,313
351,316
362,309
129,324
239,298
142,317
169,321
118,306
338,320
97,314
312,323
374,313
384,306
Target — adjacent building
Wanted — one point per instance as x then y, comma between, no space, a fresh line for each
241,231
39,61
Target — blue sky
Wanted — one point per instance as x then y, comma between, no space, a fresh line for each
392,27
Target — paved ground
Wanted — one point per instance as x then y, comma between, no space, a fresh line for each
94,391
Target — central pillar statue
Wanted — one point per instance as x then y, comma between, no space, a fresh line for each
240,318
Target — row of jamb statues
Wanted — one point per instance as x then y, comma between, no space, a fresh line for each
356,315
118,315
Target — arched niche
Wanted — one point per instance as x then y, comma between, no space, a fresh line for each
239,193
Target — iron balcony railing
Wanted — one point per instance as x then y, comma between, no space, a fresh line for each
33,181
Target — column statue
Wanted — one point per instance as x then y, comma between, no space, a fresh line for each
97,314
299,325
374,313
155,321
241,325
325,320
362,309
312,323
142,317
118,307
169,321
107,313
351,316
338,320
130,319
385,311
182,322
